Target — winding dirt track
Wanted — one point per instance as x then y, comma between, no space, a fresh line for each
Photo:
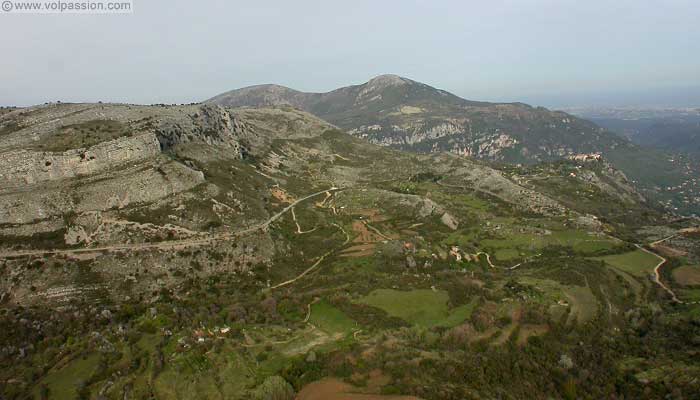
314,265
657,274
186,243
299,231
657,270
488,258
166,245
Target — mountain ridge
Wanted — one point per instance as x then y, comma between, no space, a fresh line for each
399,112
408,115
236,97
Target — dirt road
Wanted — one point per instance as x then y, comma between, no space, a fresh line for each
166,245
657,275
316,264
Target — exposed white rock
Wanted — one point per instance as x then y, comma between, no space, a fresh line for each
23,167
449,221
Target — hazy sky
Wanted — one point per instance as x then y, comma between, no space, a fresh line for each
548,52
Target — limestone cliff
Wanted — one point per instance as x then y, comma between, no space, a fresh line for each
19,167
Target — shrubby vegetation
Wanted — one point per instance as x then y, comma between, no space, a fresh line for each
508,304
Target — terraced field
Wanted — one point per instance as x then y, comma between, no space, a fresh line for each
512,245
637,263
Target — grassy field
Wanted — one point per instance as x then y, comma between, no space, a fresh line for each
506,254
459,314
63,383
694,311
462,200
688,275
636,287
637,263
422,307
511,245
518,241
583,303
692,295
335,389
330,319
593,245
460,238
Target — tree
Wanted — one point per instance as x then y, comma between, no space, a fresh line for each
274,388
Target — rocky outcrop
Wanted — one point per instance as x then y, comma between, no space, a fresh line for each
75,235
99,193
416,206
209,124
492,183
130,169
22,167
610,181
410,133
449,221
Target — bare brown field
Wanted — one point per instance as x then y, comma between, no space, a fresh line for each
334,389
688,275
281,195
668,251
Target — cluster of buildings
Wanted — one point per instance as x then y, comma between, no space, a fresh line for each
586,157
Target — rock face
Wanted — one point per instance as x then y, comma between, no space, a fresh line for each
123,188
610,181
118,189
171,125
66,159
112,173
210,124
116,170
27,167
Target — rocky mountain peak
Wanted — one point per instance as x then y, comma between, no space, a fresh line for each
404,114
269,87
261,96
383,81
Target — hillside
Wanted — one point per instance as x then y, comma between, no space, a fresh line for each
401,113
671,142
679,136
671,129
404,114
180,252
